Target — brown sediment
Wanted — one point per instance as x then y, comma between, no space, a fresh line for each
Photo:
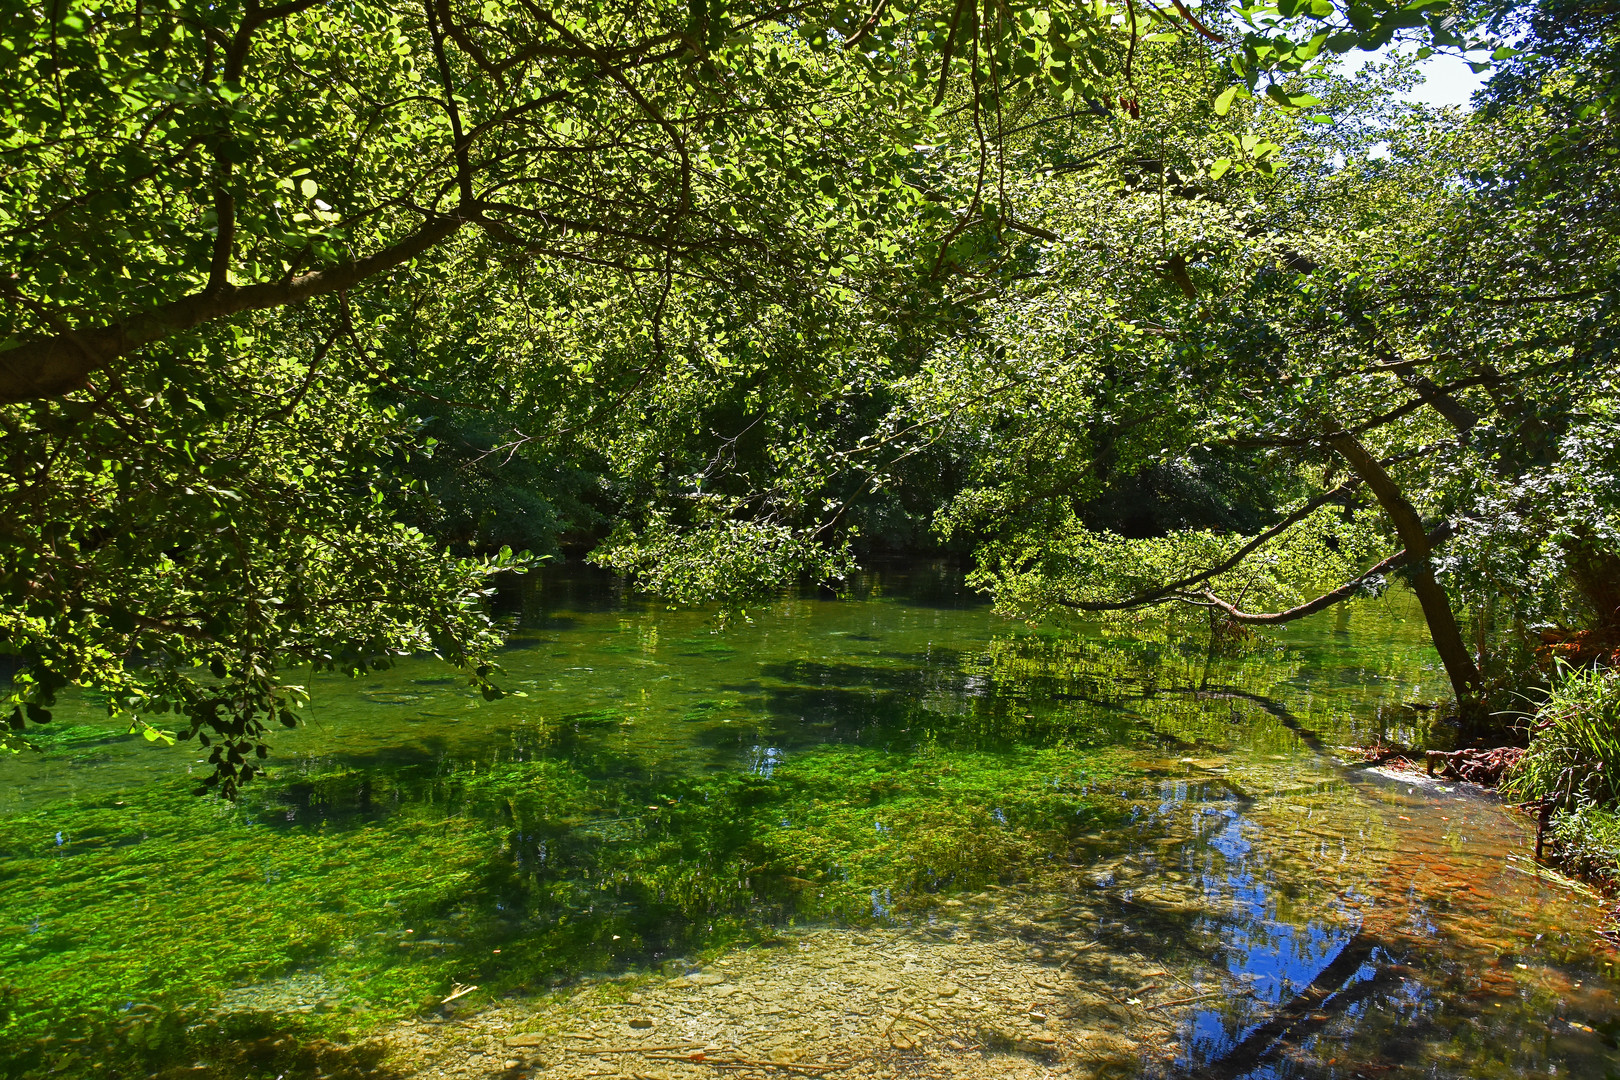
1579,648
858,1004
1485,768
1098,972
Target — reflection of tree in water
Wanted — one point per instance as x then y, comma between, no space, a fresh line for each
1160,807
1326,934
1111,669
1210,880
1311,675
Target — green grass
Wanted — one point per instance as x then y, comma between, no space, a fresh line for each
1573,762
1574,752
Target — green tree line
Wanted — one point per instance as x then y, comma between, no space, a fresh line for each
314,311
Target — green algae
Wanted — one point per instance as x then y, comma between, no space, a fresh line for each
403,885
858,823
649,805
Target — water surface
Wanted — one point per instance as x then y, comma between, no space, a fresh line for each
661,792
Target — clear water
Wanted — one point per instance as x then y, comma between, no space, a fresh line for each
668,792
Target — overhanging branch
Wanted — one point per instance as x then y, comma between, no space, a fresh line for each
49,367
1350,588
1173,590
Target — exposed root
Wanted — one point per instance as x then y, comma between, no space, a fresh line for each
1483,767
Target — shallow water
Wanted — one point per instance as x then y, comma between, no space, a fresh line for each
1147,853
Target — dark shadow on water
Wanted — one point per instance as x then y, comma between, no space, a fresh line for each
548,624
594,843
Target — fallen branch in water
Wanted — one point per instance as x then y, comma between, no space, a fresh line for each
1483,767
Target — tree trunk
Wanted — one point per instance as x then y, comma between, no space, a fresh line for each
1443,629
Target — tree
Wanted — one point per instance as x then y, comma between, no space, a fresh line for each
230,229
179,166
1410,352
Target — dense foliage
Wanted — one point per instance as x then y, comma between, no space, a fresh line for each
1570,773
312,310
1258,395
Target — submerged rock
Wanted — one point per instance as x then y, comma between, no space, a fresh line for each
525,1040
704,979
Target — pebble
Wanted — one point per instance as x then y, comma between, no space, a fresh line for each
525,1040
808,995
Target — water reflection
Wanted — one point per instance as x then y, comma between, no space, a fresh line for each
1159,828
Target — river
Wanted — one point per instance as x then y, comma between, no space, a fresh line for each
885,835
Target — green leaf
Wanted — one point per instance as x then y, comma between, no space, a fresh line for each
1219,167
1223,101
13,743
1312,48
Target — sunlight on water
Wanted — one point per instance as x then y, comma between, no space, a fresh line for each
877,835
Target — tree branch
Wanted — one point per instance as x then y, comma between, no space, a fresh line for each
1171,590
459,141
1207,598
50,367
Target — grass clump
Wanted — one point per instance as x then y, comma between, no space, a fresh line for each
1572,770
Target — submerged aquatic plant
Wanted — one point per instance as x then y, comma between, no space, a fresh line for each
129,919
141,928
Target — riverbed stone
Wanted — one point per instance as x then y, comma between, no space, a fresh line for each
1019,983
525,1040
